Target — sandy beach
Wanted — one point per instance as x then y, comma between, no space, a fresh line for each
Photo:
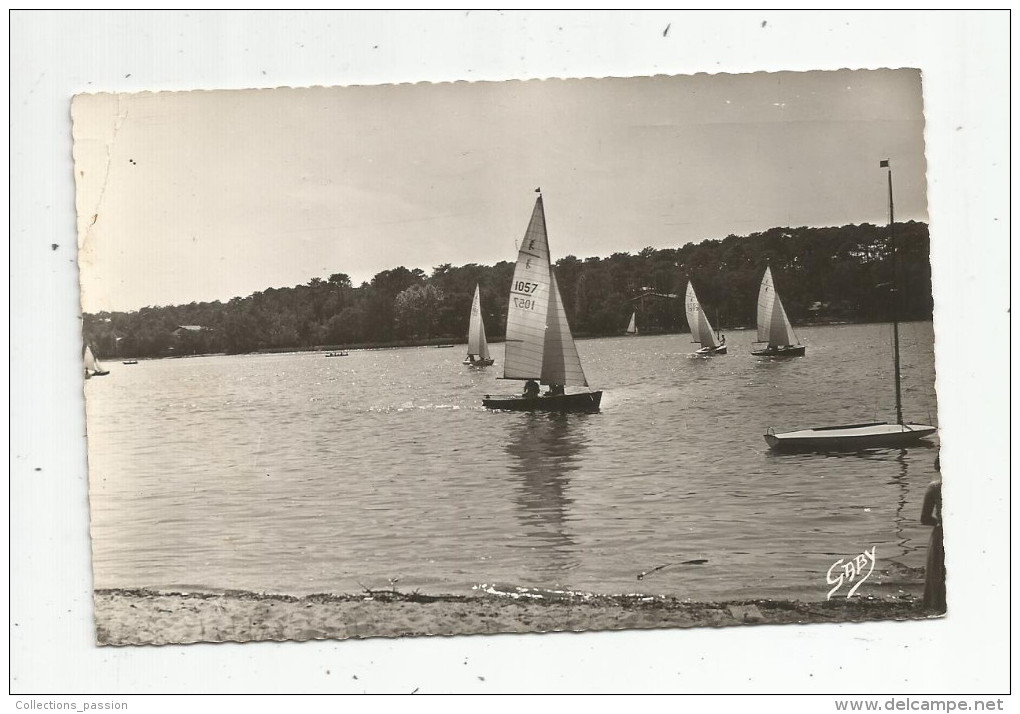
134,617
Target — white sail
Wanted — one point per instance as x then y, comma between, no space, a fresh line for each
477,344
536,325
701,328
632,327
560,362
773,324
529,302
91,363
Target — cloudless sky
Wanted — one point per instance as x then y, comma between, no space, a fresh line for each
193,196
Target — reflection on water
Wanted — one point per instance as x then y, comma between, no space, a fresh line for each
545,449
294,473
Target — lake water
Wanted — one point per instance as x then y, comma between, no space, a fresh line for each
296,473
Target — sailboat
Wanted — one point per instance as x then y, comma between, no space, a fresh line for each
632,327
478,346
854,437
93,368
701,328
774,326
539,346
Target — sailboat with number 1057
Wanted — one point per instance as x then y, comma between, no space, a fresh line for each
539,346
853,437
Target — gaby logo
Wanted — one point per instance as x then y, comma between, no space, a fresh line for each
850,571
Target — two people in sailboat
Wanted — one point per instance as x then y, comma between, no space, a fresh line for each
532,390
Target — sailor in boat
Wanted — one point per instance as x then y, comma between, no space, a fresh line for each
722,340
531,389
555,390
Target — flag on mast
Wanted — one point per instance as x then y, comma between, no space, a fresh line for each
884,164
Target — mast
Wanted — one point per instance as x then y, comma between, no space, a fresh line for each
895,291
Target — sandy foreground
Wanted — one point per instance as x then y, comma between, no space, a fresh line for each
134,617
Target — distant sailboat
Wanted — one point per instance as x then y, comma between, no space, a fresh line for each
774,326
854,437
93,368
478,346
539,346
701,328
632,327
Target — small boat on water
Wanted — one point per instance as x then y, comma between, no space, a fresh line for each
478,346
774,326
632,327
93,367
855,437
851,437
701,328
539,346
341,353
130,361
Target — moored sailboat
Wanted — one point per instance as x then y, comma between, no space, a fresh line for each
701,328
478,346
774,326
539,347
854,437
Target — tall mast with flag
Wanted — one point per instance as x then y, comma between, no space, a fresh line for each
884,164
854,437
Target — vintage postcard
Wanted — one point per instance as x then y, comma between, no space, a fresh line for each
523,356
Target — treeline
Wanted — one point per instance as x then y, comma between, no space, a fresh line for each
822,274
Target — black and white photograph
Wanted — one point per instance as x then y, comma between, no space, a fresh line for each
508,356
528,352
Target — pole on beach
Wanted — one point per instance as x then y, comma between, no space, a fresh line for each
696,561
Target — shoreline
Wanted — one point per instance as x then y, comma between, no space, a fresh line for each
459,340
142,616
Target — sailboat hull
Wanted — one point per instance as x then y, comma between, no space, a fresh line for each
478,362
788,351
581,402
852,437
709,351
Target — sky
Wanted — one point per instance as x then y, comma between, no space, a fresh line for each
208,195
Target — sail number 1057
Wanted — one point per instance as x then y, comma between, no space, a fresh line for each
525,288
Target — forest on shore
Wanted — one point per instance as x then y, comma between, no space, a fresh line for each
823,275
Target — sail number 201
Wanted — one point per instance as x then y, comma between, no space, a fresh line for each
526,288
